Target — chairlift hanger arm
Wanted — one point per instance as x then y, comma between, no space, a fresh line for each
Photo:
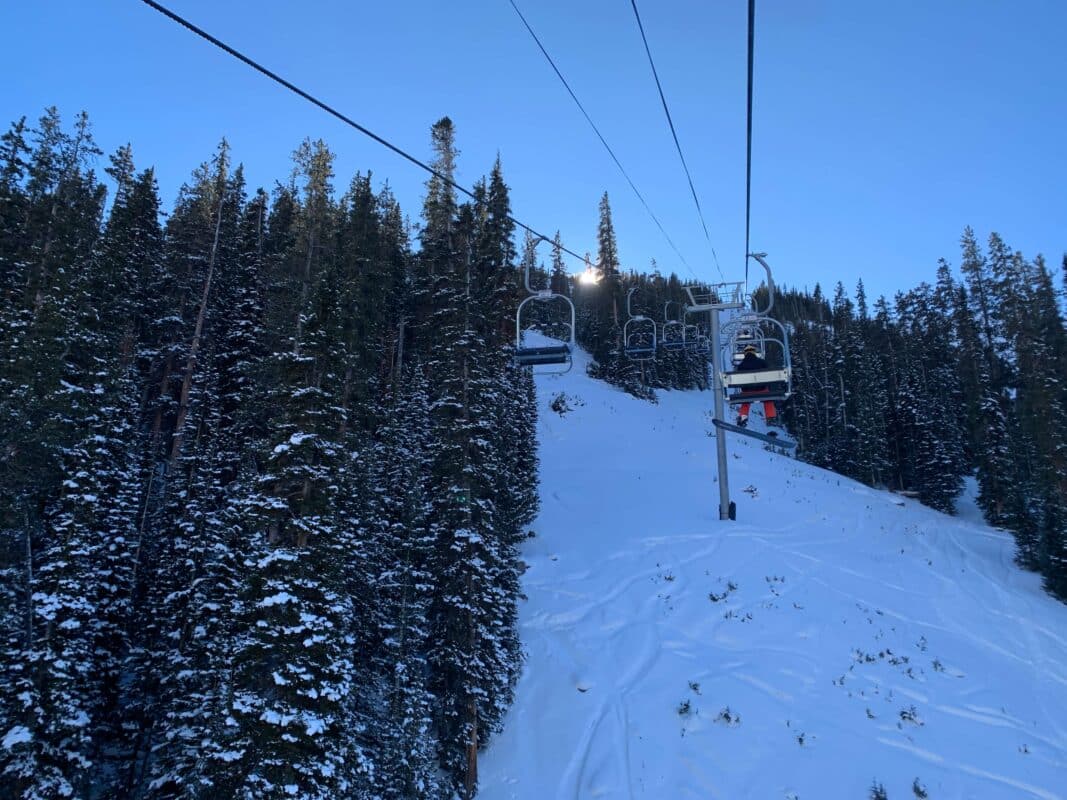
526,272
761,259
629,304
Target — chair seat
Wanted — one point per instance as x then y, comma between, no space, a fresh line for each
758,397
760,377
531,356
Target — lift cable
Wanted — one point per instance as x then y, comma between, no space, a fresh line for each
600,136
748,155
335,113
674,133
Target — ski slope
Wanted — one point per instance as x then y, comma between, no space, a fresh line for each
832,637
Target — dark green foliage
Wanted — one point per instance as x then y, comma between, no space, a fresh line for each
264,477
951,379
602,315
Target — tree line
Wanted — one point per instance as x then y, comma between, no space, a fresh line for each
602,310
264,472
963,376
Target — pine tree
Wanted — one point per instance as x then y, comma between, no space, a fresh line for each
559,281
1041,410
293,667
14,160
975,269
53,395
872,403
246,552
402,704
602,330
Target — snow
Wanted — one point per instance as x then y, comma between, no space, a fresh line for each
16,736
834,636
277,599
276,555
79,720
295,440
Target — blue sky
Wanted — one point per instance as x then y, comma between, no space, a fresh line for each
881,128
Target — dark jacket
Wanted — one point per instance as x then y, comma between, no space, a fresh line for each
751,363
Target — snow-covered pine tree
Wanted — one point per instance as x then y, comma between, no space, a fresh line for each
840,382
559,280
461,514
397,705
872,404
600,330
54,390
980,291
938,457
14,160
193,582
293,667
1041,410
508,419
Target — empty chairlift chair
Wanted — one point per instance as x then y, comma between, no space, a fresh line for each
638,333
693,338
557,353
672,331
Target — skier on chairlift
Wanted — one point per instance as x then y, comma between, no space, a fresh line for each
753,363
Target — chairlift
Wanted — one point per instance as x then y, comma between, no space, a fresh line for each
672,331
697,338
543,355
770,338
716,296
692,338
638,333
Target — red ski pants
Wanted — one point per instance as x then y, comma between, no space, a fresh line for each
769,411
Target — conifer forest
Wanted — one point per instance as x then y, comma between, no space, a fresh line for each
266,462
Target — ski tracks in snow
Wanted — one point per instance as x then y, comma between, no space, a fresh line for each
833,635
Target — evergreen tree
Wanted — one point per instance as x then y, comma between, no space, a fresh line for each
405,587
50,417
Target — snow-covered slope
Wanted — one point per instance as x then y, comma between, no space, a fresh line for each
833,637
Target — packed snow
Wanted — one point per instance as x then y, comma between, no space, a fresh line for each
833,638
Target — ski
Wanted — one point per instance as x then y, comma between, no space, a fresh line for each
763,437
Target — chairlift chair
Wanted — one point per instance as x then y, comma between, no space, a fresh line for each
745,338
757,329
692,337
672,331
638,333
717,296
543,355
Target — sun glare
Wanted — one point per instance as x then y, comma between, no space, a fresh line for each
589,276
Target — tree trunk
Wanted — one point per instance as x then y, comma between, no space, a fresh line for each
194,348
305,286
470,779
29,578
